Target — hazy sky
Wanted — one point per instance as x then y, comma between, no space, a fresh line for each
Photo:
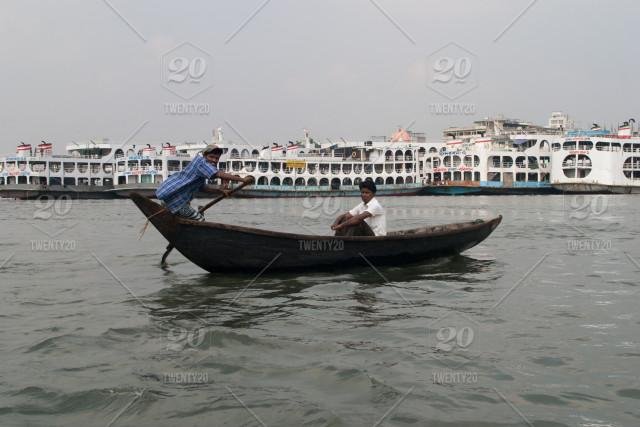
75,70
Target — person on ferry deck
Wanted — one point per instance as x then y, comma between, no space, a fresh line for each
178,190
366,219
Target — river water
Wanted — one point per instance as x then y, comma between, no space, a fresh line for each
538,325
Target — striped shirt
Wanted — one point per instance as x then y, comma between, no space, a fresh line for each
178,190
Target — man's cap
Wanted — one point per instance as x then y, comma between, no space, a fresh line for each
212,148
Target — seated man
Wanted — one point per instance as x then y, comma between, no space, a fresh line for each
178,190
366,219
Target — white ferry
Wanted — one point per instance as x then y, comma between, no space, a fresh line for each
598,161
493,156
297,169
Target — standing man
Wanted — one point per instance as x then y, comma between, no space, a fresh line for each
366,219
178,190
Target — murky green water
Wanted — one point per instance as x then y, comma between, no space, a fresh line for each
538,325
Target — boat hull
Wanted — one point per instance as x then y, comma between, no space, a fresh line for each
221,247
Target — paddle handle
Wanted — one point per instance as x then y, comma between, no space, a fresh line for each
217,199
202,209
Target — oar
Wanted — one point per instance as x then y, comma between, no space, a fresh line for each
201,210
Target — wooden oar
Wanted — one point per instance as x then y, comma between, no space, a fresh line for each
201,210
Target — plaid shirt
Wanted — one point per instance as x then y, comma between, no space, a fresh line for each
178,190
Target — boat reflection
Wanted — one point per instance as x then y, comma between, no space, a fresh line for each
244,300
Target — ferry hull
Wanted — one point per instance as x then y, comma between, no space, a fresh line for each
454,190
32,192
577,188
257,192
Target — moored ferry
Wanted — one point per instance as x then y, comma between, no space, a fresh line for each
598,161
296,169
493,156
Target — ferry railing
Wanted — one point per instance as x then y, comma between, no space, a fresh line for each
328,187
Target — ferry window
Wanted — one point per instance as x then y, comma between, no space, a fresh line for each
585,145
555,146
631,168
615,146
569,145
602,146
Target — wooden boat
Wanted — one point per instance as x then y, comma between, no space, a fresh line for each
230,248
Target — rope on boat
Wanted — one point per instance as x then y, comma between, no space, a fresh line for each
146,224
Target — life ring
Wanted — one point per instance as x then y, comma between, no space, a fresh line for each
354,155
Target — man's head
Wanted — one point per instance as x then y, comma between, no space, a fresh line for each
367,190
212,153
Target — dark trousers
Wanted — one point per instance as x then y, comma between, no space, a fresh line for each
361,229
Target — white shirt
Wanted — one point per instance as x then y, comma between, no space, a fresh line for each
377,221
